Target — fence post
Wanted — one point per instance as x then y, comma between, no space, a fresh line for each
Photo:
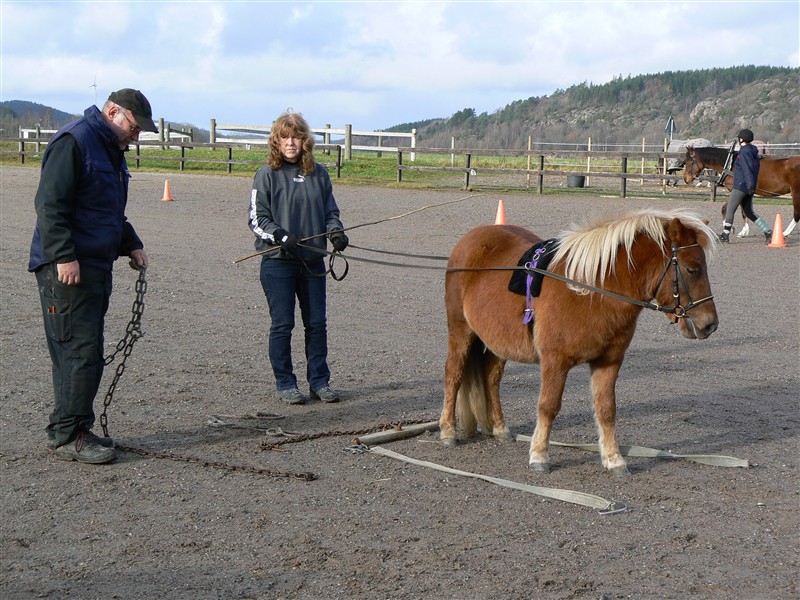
21,150
624,179
38,136
183,157
380,143
541,174
528,165
641,181
326,138
338,161
466,172
348,142
230,159
589,161
413,144
452,155
138,153
213,130
161,135
399,165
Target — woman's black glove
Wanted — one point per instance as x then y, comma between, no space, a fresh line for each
338,239
288,241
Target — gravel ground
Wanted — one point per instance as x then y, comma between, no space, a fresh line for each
368,526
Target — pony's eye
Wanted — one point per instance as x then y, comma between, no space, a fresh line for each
693,271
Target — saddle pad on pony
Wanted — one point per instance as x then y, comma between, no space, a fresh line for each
518,283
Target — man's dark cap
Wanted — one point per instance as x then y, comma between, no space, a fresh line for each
135,102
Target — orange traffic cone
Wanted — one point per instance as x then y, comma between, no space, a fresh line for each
167,195
500,219
777,233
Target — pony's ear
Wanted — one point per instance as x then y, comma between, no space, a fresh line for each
679,233
689,149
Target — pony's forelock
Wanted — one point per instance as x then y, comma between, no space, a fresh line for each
589,251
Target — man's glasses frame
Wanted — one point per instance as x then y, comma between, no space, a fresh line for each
133,127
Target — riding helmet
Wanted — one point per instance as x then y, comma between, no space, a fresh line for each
746,135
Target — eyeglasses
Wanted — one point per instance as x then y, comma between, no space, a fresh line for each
133,127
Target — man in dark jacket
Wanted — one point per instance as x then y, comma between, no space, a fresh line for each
745,183
80,230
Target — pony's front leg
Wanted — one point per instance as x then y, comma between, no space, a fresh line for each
554,377
604,381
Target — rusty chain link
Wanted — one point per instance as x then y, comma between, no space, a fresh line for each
132,333
306,476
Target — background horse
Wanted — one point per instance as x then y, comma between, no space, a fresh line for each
673,165
632,256
776,177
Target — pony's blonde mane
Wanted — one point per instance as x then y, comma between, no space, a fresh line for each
589,252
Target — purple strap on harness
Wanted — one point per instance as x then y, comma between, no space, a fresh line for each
529,313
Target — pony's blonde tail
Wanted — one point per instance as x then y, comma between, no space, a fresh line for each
472,404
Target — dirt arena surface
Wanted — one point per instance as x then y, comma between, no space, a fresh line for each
368,526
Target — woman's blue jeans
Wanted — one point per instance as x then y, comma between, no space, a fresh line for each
283,281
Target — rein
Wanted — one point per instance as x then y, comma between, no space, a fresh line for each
677,309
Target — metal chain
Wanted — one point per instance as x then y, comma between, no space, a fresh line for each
132,333
305,476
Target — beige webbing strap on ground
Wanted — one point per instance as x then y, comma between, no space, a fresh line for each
601,504
706,459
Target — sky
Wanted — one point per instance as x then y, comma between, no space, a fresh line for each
371,65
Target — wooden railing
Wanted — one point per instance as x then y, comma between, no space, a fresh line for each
536,165
136,155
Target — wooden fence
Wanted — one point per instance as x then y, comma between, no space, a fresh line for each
138,153
536,166
327,133
534,172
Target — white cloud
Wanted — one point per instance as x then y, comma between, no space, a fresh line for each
371,64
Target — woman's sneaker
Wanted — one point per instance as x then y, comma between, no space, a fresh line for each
325,393
291,396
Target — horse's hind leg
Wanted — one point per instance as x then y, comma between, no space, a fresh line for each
493,373
554,377
458,345
604,380
796,212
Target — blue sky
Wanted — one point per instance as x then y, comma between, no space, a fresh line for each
368,64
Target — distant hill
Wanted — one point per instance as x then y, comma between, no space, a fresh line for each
712,103
21,113
709,103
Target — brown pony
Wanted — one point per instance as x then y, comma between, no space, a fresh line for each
776,176
652,258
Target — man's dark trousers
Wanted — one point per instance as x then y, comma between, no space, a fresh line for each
74,319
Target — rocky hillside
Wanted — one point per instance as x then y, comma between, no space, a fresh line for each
713,104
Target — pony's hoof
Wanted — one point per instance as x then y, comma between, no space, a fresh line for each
620,471
539,467
449,442
504,436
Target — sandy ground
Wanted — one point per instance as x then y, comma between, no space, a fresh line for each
369,526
